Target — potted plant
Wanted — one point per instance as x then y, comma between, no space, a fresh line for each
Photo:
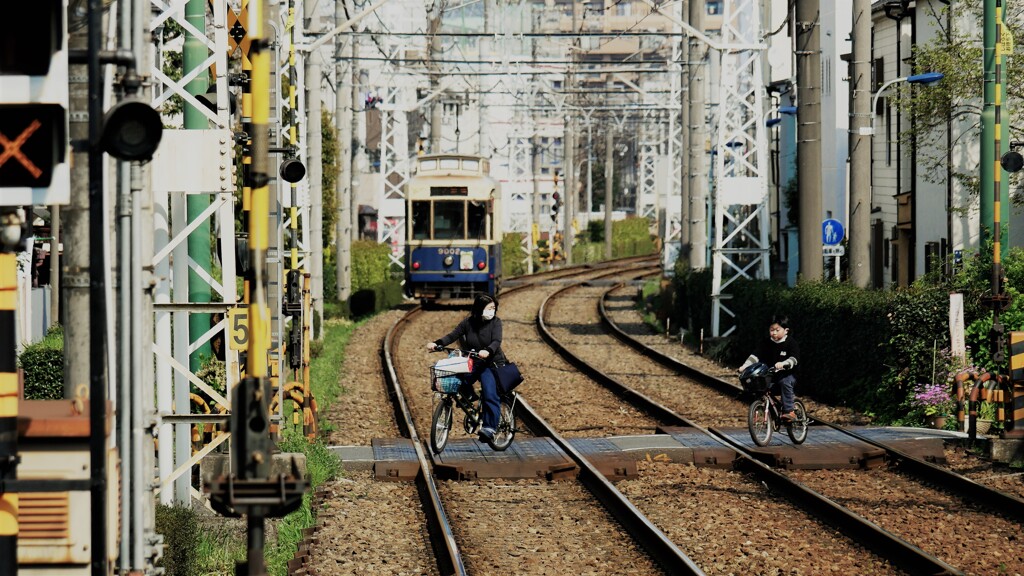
986,416
935,400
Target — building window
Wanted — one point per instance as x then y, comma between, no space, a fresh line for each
714,7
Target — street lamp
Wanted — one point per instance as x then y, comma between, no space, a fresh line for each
925,78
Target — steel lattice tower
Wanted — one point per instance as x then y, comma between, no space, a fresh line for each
740,195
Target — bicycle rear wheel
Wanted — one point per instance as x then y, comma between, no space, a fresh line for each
758,422
441,424
506,426
797,429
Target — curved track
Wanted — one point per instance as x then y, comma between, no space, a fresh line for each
742,517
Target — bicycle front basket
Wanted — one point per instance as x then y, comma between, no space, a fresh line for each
444,381
756,385
756,378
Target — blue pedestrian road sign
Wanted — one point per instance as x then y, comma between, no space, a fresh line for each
832,232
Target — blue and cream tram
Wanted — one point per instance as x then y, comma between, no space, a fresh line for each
453,235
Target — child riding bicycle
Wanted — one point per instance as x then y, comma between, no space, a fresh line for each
781,351
480,331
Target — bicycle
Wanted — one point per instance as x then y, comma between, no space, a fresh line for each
764,416
446,383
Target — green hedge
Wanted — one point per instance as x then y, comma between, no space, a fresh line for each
376,283
862,348
630,237
43,365
512,255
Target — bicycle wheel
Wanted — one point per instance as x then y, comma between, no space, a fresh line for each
757,423
506,426
797,429
441,425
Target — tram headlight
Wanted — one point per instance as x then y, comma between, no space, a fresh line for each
480,265
448,260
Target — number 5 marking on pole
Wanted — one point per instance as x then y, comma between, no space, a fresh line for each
238,322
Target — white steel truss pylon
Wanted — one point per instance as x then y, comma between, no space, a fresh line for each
394,173
172,344
517,193
647,194
740,193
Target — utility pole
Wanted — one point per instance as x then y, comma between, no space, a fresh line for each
684,148
860,147
571,187
436,53
315,155
808,58
698,177
76,253
343,187
609,172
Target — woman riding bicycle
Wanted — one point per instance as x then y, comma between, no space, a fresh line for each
781,351
480,331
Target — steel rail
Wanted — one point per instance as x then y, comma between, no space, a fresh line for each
960,485
1000,502
447,555
449,559
866,533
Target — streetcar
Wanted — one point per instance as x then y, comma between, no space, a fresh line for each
453,228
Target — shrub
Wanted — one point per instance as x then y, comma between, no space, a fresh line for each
180,530
512,255
43,365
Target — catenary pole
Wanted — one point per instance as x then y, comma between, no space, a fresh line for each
808,58
698,177
343,187
314,130
75,217
860,147
609,173
194,54
684,148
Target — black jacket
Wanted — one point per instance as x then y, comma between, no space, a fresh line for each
770,352
475,333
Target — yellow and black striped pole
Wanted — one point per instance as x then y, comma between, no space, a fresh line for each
997,169
8,413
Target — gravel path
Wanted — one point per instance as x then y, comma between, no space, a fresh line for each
726,521
353,511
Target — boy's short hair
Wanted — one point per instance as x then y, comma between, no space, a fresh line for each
781,319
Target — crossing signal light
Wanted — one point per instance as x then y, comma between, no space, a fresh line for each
28,43
556,204
30,136
33,106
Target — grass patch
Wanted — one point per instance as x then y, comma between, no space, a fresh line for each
322,466
204,545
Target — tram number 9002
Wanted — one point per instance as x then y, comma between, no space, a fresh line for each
447,251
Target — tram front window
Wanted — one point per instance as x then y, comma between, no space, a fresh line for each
477,220
448,220
421,220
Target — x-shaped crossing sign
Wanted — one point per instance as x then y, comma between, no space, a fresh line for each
32,143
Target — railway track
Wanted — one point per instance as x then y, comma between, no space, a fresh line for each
966,505
737,519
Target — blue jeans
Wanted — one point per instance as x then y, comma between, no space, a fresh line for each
787,383
489,393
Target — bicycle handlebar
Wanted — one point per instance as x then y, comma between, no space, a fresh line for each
449,350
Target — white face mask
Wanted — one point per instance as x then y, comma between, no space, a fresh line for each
487,314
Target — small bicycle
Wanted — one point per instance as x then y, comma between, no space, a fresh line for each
446,383
764,416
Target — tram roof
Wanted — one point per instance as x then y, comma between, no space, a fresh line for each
448,163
